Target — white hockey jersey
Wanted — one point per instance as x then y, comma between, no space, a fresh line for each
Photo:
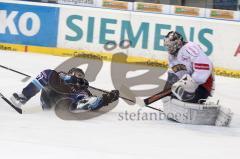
193,61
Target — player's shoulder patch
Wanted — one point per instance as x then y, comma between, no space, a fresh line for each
179,67
193,49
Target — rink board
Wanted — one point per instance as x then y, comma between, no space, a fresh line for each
105,57
85,32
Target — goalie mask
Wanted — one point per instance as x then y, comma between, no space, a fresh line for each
173,41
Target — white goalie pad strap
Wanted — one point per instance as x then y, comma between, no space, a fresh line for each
189,113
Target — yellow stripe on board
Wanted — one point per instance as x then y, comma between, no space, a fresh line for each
104,56
13,47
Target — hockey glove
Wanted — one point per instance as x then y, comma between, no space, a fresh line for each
185,88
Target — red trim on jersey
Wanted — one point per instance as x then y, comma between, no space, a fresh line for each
201,66
208,84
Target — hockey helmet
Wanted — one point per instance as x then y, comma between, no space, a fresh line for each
77,72
173,41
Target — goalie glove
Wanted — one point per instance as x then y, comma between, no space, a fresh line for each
185,88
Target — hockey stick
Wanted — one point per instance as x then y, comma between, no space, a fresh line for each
98,89
19,110
139,101
7,68
157,96
153,99
15,71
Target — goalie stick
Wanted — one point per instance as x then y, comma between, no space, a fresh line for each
146,101
19,110
153,98
157,96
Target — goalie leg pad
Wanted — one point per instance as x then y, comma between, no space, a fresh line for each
224,117
190,113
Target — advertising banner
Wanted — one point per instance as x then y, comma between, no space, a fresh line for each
78,2
224,14
192,11
149,7
116,4
28,24
108,30
91,29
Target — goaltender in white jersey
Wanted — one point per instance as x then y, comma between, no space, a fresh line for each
187,58
191,79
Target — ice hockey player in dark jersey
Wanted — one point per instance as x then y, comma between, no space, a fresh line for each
191,80
56,86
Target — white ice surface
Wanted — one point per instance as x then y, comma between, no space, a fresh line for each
43,135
